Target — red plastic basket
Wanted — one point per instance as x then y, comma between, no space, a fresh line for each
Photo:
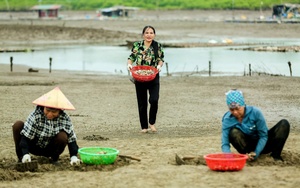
143,78
226,161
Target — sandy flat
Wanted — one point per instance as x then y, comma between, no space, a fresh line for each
188,123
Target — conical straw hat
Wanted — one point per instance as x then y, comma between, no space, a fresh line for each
54,99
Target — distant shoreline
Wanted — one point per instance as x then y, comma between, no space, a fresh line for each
186,27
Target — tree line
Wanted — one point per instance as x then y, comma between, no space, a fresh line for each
23,5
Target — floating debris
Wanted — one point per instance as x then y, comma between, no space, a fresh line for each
271,49
16,50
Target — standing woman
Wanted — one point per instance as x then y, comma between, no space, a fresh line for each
147,52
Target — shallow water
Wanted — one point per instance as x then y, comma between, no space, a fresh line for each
112,60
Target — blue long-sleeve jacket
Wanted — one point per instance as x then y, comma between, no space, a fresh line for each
253,124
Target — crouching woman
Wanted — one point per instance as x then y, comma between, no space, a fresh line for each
47,130
246,129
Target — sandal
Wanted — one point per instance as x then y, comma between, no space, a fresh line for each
153,129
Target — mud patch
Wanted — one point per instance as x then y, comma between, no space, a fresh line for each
94,137
26,84
8,171
290,159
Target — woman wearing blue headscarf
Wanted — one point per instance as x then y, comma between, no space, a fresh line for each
245,128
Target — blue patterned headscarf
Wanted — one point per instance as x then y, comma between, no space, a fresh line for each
234,99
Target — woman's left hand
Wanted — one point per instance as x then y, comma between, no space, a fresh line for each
251,156
158,68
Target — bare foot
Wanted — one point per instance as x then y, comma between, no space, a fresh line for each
144,130
153,129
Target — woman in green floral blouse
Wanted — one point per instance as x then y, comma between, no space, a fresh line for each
150,53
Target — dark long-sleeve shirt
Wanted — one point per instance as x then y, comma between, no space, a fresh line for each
39,128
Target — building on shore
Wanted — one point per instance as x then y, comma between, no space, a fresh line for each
47,11
117,11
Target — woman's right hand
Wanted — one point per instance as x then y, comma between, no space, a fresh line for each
26,158
129,66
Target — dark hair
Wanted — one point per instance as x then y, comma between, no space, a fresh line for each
43,107
154,44
148,26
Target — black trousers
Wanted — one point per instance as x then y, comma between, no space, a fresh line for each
277,136
53,149
142,89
